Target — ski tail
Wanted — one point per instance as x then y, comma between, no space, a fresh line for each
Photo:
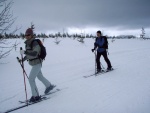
100,73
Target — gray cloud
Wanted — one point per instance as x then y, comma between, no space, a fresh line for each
59,14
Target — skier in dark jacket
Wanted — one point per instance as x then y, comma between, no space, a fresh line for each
102,44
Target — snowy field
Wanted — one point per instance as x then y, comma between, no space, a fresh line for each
124,90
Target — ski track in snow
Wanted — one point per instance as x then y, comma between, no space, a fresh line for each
124,90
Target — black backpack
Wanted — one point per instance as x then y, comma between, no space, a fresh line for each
106,42
43,53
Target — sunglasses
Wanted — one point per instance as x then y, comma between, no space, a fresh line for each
27,35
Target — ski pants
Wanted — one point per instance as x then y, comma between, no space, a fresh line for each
36,72
104,54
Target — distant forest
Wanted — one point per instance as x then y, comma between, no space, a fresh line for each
65,35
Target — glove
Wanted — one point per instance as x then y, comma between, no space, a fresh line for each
19,60
22,60
25,58
22,52
93,50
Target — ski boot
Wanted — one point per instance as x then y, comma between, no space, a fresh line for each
48,89
99,71
35,98
109,69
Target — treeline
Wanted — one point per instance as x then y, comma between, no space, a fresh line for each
42,35
64,35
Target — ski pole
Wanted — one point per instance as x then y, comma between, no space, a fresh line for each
24,75
22,67
102,65
107,52
95,62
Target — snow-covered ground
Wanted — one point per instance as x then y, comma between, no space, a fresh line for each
124,90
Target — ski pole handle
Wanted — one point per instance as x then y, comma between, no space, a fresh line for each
18,59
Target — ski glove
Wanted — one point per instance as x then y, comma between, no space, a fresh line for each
22,60
93,50
22,52
19,60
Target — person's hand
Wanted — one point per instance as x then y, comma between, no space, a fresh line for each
22,52
19,60
93,50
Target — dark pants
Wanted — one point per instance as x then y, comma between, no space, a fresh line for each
104,54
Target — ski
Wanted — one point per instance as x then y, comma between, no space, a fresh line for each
26,104
43,96
51,92
106,71
97,74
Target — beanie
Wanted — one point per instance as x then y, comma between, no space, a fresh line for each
29,31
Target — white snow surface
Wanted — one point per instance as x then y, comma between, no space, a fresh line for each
124,90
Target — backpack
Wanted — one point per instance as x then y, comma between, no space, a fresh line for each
43,53
106,42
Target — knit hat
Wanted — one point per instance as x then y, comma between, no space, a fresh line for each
29,31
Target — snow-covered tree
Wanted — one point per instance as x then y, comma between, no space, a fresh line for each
6,21
142,35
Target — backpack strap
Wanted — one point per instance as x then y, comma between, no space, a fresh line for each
32,48
32,43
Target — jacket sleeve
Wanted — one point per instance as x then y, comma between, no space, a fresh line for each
95,44
34,52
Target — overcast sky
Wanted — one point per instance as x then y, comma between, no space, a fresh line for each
110,16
